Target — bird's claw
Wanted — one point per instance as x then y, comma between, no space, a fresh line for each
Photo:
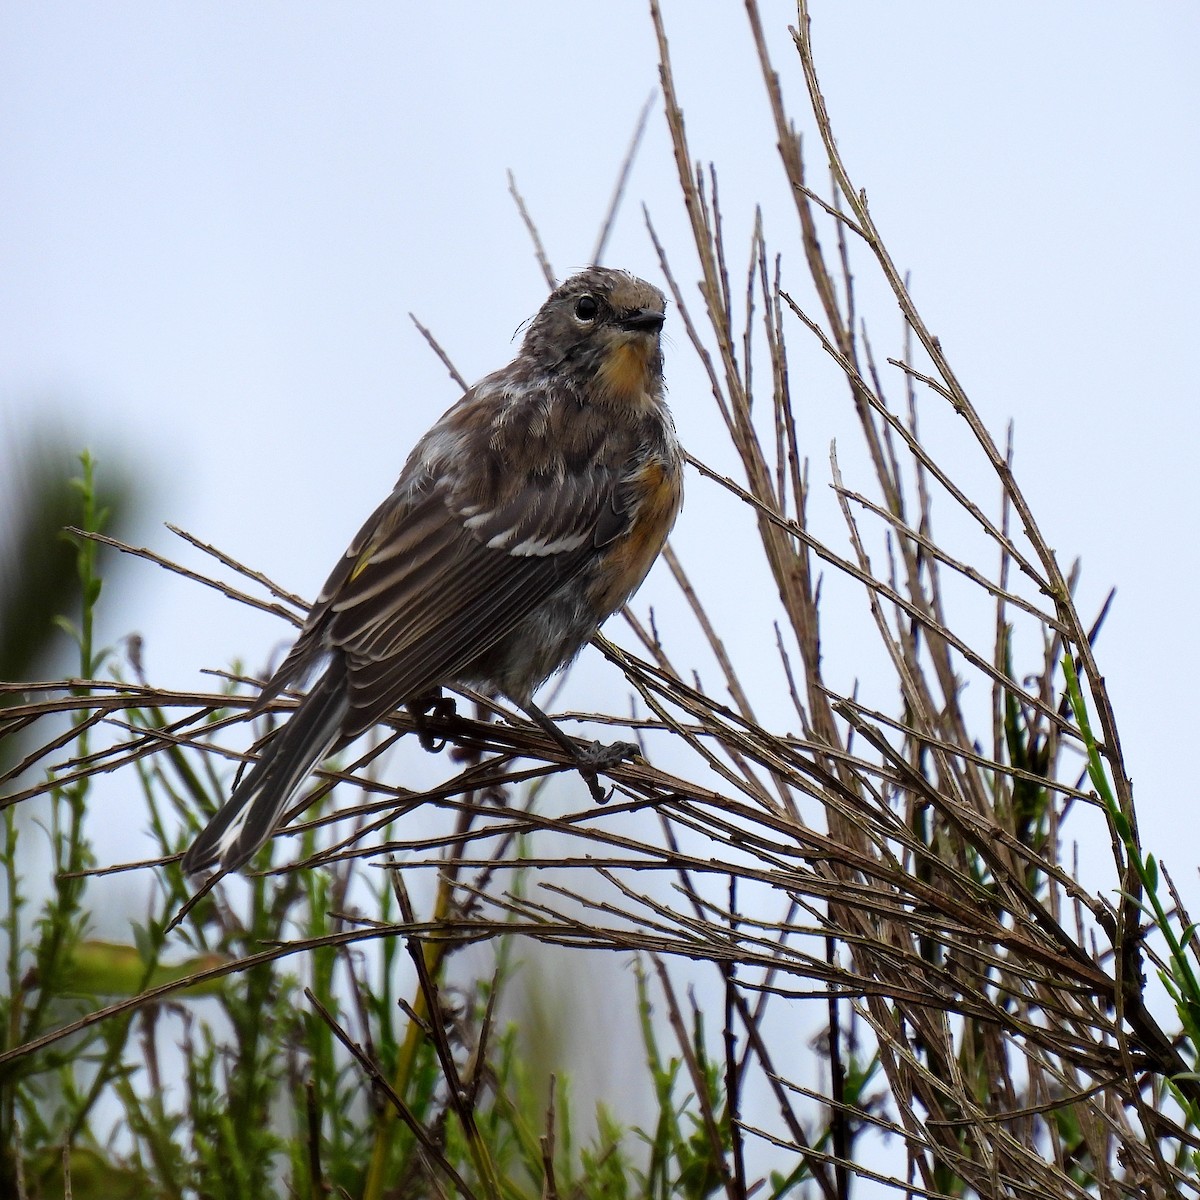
600,756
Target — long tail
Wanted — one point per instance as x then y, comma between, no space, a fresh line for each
250,815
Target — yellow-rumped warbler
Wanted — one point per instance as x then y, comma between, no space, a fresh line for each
522,520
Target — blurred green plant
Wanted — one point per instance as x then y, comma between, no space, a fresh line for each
41,585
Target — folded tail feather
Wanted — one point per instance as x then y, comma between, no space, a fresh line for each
250,815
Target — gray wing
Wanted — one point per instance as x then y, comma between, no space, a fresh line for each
435,579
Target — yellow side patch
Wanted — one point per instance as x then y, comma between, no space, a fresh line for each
660,495
629,559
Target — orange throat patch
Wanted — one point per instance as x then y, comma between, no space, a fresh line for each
625,372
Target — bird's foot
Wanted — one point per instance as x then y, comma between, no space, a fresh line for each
589,760
602,757
433,706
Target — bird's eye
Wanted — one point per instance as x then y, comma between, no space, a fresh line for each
586,308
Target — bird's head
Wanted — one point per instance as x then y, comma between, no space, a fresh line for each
600,330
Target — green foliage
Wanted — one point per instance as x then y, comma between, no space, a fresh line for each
1178,973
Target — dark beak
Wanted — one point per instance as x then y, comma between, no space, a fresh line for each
643,320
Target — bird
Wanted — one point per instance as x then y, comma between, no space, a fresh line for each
527,515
